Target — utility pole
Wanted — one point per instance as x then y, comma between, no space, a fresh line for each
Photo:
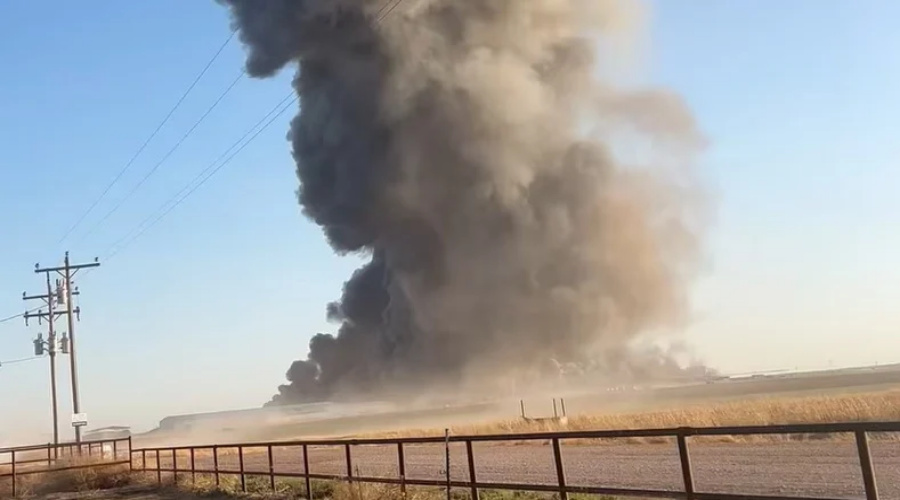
40,347
68,271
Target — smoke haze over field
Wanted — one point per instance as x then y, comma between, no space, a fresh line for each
519,212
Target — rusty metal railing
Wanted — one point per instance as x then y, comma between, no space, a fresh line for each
859,430
22,461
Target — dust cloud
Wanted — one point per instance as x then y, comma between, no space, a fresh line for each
520,212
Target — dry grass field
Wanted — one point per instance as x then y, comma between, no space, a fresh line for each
851,407
882,405
284,489
290,490
729,462
766,465
860,407
73,480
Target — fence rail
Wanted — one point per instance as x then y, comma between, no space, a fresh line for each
859,430
17,462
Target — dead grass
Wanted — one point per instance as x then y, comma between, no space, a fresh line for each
859,407
260,488
72,480
876,406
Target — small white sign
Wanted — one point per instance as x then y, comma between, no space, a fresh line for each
79,419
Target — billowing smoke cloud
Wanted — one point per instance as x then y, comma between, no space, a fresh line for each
518,209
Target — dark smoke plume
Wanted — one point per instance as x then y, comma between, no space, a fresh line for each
519,210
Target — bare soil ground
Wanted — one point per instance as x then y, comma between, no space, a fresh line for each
813,468
828,469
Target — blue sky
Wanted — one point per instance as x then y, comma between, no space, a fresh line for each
207,309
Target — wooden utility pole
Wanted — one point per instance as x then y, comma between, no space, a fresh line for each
68,271
40,347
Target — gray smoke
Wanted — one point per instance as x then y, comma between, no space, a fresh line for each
516,207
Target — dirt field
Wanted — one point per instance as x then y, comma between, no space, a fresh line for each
812,468
804,468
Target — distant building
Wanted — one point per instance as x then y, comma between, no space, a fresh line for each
107,433
229,420
239,421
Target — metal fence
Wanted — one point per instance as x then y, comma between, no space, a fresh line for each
188,464
18,462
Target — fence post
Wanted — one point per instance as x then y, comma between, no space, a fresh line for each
216,464
865,462
49,458
271,468
144,460
349,461
175,466
115,451
401,467
472,479
158,468
560,470
686,472
306,472
14,473
193,468
241,464
447,459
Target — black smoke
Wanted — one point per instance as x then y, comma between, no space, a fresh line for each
516,207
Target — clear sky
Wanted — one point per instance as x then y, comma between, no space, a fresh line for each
206,310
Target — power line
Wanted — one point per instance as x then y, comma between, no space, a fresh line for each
17,316
382,16
211,170
140,150
383,8
165,157
10,318
202,177
20,360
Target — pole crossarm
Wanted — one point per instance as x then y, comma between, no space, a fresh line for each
36,297
44,315
61,269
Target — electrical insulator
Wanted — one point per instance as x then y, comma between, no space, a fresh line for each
39,345
64,344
